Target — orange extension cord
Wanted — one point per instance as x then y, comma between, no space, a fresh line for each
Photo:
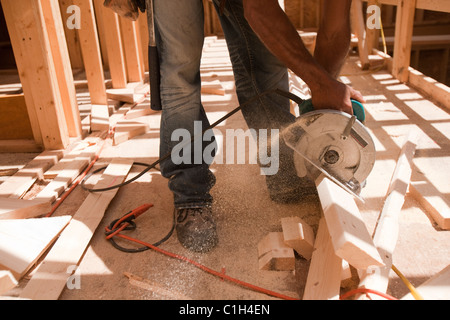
221,275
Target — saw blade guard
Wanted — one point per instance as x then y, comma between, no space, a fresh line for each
334,143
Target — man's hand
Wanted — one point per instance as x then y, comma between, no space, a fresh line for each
335,95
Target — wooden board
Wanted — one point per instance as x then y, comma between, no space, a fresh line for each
51,276
387,228
11,208
351,239
100,117
127,129
298,235
325,270
274,254
22,241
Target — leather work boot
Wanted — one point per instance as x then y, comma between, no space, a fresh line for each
196,229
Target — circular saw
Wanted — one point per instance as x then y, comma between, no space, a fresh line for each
334,143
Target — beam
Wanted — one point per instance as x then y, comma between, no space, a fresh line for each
351,239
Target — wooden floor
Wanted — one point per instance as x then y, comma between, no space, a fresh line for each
244,212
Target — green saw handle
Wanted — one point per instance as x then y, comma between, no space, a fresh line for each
358,109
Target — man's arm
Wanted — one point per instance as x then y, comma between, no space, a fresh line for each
276,31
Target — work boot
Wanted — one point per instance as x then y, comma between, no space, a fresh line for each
196,229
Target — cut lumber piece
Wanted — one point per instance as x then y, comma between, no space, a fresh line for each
349,235
7,281
22,241
127,129
213,87
154,287
435,288
63,180
100,117
325,271
18,184
51,276
11,208
134,92
298,235
274,254
139,111
386,231
14,122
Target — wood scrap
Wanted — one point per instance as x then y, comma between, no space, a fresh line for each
387,228
127,129
325,270
351,239
133,93
23,241
7,281
11,208
274,254
50,277
100,117
156,288
298,235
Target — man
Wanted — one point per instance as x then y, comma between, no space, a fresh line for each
179,34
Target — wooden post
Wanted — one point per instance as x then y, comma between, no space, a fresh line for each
143,31
360,30
90,48
64,75
34,60
403,39
72,40
114,46
133,51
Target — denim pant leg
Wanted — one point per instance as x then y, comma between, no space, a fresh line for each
256,70
179,36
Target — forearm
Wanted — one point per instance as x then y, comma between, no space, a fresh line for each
333,37
289,47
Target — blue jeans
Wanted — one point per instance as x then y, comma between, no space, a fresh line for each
179,35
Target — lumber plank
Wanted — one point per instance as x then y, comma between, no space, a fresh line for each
90,48
51,276
23,241
132,93
30,42
14,122
11,208
351,239
298,235
274,254
133,50
63,68
213,87
387,228
7,281
127,129
435,288
325,271
114,46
